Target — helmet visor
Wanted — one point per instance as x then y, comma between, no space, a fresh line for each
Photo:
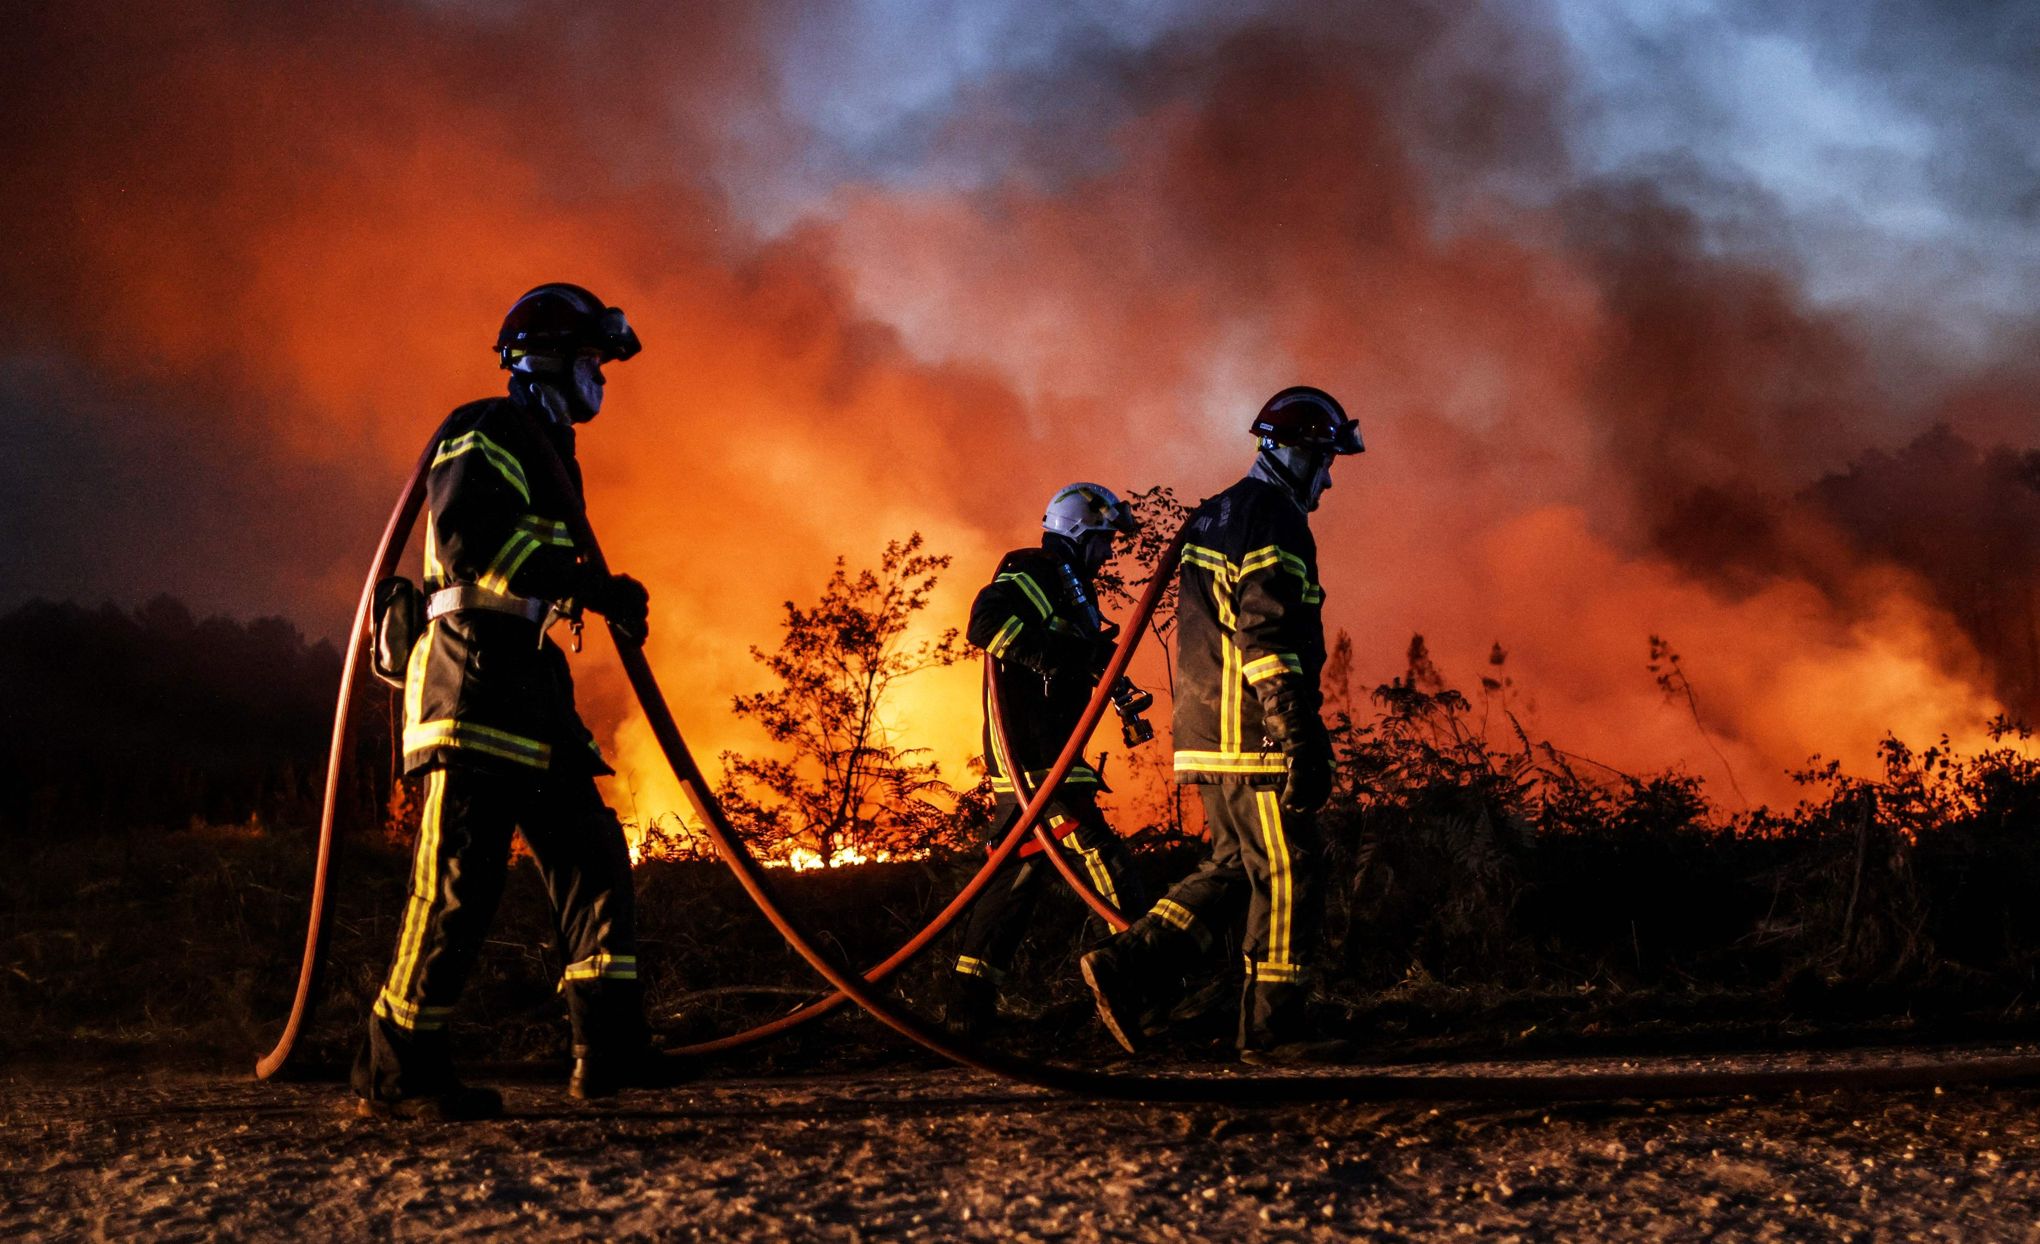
1122,519
1346,439
614,336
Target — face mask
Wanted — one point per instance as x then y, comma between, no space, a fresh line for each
1320,484
1095,549
584,387
1305,472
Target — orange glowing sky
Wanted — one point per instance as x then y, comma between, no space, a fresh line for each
262,252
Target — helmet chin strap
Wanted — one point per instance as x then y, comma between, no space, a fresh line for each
1076,553
557,393
1276,470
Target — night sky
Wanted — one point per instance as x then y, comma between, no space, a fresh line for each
1708,320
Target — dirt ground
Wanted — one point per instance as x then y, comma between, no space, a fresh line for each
104,1153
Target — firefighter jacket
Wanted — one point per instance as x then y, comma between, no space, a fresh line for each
1250,632
488,687
1047,644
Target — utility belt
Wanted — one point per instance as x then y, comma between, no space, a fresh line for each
401,611
468,596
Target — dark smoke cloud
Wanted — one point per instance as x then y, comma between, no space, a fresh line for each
267,246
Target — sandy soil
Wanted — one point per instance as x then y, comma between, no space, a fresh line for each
104,1153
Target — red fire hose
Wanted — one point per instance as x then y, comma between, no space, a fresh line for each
1258,1089
1030,817
397,531
394,536
996,711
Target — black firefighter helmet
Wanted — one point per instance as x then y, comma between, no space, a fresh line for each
1303,416
562,319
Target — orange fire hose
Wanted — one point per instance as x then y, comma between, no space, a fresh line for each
1036,802
996,711
1258,1089
395,533
1194,1088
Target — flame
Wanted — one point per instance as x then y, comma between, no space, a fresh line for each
298,290
800,859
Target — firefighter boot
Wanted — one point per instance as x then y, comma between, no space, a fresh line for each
972,1005
596,1076
612,1045
404,1074
1137,976
1117,985
1274,1031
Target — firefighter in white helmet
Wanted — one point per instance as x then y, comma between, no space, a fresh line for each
1039,624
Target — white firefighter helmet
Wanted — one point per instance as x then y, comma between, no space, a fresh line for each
1080,508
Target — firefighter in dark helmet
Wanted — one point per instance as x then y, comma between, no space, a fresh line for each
1250,647
490,724
1039,624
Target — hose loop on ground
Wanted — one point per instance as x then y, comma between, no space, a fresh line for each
1220,1087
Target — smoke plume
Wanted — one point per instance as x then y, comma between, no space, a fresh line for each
261,250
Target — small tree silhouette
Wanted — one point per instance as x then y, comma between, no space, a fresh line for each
844,791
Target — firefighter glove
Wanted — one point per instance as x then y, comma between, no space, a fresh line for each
624,601
1306,758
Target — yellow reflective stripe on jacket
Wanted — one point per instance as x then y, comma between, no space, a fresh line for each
971,965
1262,669
484,740
603,966
1000,765
1274,555
547,530
1209,559
1265,558
1004,639
508,561
532,533
1231,696
435,573
414,674
1032,590
1255,763
503,460
1223,576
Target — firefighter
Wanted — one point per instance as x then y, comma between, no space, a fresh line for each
1250,647
1038,621
490,724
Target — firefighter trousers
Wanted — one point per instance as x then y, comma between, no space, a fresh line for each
458,870
1000,917
1265,864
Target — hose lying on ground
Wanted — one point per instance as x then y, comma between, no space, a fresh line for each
396,533
1256,1089
1218,1088
1036,802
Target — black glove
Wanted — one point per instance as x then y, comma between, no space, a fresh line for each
1067,653
624,601
1306,758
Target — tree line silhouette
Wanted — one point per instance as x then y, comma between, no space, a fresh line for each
153,718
